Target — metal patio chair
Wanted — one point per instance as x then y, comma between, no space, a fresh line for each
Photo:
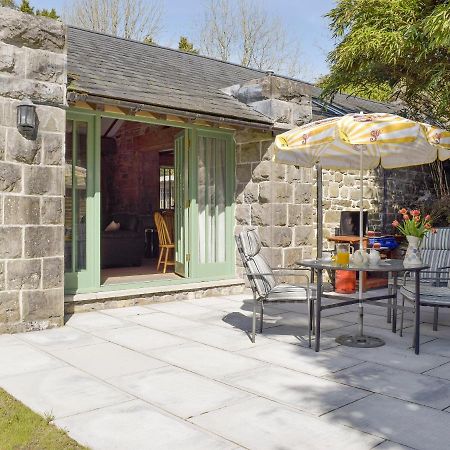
263,281
435,281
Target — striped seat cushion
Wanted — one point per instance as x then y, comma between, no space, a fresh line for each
287,292
429,295
435,252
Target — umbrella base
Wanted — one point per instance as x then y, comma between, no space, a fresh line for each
349,340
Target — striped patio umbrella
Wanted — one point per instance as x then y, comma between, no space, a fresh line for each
362,141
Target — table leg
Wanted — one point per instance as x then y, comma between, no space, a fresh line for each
318,308
417,316
394,303
360,305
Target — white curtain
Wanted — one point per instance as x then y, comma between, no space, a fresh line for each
211,199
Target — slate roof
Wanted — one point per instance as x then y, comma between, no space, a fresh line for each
115,68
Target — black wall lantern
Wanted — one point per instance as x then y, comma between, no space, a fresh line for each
26,118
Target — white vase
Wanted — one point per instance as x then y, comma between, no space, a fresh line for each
412,256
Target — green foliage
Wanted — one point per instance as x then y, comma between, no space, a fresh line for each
186,46
25,7
148,40
47,13
21,428
389,49
8,3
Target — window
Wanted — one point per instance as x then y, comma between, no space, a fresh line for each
166,185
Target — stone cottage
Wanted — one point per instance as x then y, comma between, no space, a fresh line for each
126,131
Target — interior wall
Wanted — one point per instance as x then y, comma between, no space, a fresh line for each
130,167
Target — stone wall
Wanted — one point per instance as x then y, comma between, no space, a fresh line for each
274,198
32,65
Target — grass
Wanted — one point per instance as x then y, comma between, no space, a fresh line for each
22,429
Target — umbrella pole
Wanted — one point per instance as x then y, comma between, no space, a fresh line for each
361,240
319,210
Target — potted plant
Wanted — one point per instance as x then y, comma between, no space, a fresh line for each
414,227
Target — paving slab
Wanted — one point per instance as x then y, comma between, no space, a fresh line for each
162,321
406,423
397,383
135,425
305,392
62,391
183,309
298,358
208,361
59,338
389,445
127,311
22,358
107,360
437,347
139,338
372,320
440,372
392,357
92,321
178,391
262,424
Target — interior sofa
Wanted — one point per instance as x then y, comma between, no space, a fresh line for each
125,246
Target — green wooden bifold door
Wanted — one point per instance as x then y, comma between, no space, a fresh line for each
211,189
182,204
81,248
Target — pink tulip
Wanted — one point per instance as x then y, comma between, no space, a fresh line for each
395,223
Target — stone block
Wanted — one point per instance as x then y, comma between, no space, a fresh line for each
268,171
246,136
307,214
333,189
274,256
338,177
52,210
243,173
42,305
46,66
10,177
242,214
293,173
2,141
53,273
53,149
21,210
251,193
332,216
271,214
275,192
303,235
12,60
2,276
9,307
275,236
250,152
303,193
51,118
44,180
355,194
344,192
292,257
25,30
294,215
38,91
23,274
10,242
43,241
350,181
267,150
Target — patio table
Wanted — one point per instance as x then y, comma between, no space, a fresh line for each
393,267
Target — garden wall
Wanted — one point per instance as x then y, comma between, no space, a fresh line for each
32,65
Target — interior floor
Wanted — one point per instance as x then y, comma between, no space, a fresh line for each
146,272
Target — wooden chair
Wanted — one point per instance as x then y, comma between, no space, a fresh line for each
165,241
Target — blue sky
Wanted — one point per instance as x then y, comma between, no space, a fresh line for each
303,19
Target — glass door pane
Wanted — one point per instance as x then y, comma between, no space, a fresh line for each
212,211
81,205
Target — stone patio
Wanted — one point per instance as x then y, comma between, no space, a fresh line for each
185,375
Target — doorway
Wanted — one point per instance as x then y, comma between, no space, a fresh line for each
120,171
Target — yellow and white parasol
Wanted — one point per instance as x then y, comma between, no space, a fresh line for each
362,141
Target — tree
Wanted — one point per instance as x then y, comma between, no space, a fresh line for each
186,46
8,4
398,47
243,31
130,19
47,13
25,7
